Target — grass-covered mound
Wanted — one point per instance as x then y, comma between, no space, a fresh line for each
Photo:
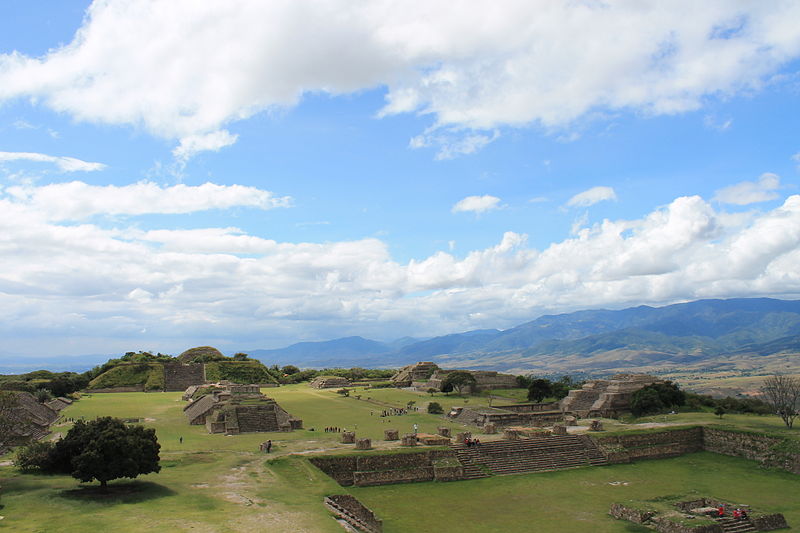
149,375
201,354
238,372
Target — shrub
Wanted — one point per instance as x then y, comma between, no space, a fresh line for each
435,408
35,456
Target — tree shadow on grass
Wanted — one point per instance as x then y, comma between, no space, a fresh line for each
122,492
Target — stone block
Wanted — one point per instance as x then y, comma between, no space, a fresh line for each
570,421
391,434
409,440
490,428
463,437
348,437
363,444
443,431
511,434
596,425
559,429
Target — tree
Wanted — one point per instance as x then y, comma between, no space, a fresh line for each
241,356
646,401
539,389
432,391
43,395
459,380
783,394
106,449
435,408
289,370
719,411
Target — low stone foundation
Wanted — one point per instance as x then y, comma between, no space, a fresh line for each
348,437
409,440
354,513
389,468
363,444
391,434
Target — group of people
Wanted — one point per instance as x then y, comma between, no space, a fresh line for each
333,429
472,442
393,411
738,513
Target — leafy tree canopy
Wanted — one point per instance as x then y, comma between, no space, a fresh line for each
458,380
106,449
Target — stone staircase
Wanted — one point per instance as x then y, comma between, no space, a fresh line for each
179,377
732,525
536,454
254,418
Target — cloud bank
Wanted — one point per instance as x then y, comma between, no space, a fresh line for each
73,279
471,65
477,204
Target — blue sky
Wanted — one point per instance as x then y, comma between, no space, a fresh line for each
251,174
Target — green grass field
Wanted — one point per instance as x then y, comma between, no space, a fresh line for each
218,483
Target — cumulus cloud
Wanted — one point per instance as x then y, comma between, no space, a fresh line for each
65,164
223,283
750,192
477,204
592,196
77,200
194,144
473,66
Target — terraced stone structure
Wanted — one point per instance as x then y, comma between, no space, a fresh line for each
417,372
329,382
607,398
426,375
538,415
239,409
178,376
30,420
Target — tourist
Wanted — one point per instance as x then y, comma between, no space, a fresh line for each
743,514
180,440
721,510
269,446
737,514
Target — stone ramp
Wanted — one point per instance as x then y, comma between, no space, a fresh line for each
537,454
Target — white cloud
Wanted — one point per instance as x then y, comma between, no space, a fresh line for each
185,286
166,65
592,196
477,204
65,164
194,144
750,192
77,200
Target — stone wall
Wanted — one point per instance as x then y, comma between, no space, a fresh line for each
665,525
389,468
354,513
637,516
179,377
132,388
652,445
762,448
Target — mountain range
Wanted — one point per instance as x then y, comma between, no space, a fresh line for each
702,334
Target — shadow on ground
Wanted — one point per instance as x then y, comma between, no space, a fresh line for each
123,492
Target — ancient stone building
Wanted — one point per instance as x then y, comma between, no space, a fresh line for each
606,397
329,382
178,376
426,375
421,371
30,420
239,409
536,415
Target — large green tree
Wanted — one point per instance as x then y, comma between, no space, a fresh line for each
106,449
539,389
458,380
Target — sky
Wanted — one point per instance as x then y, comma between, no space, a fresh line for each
250,174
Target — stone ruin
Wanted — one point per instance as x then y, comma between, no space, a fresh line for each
426,375
30,420
409,439
239,409
607,398
391,434
363,444
180,376
443,431
527,414
329,382
348,437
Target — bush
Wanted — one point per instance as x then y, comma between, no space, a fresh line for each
35,456
435,408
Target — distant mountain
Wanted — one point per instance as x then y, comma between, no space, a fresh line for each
689,333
